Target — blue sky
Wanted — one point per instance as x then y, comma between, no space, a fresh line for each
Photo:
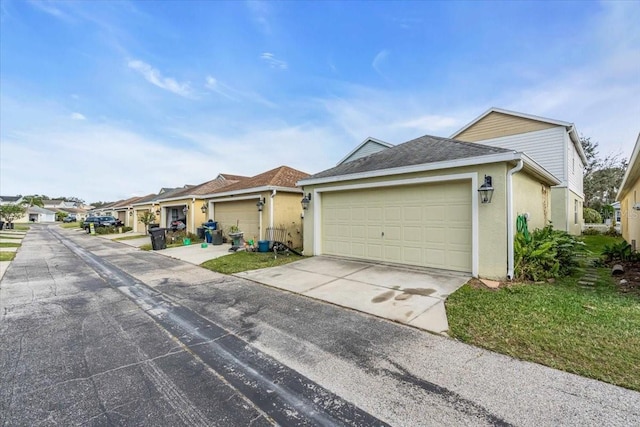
106,100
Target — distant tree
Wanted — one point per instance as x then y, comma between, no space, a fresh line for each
34,200
61,215
592,216
10,213
602,176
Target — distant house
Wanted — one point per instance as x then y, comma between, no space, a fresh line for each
629,197
38,214
11,200
553,144
366,147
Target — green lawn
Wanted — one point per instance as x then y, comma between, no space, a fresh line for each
243,261
593,333
21,227
7,256
596,243
137,236
70,225
9,245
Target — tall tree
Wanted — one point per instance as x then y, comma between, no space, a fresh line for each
34,200
602,176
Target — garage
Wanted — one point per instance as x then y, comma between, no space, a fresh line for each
242,213
428,225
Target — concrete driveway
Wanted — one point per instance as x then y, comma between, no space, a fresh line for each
411,296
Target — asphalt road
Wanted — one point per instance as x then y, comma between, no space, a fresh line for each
95,332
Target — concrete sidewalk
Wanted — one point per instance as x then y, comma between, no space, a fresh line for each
193,254
411,296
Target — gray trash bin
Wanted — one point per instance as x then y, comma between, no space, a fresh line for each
158,239
216,237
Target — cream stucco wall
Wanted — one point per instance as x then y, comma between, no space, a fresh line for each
286,213
194,215
575,226
492,230
559,208
531,197
629,217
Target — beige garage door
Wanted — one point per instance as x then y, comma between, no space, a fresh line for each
425,225
244,213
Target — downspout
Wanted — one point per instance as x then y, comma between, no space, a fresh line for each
510,234
193,215
273,195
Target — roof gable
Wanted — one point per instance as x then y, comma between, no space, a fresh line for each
282,176
366,147
496,123
423,150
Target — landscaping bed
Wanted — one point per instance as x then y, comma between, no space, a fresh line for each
244,261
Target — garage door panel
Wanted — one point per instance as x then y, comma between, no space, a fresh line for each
241,212
426,225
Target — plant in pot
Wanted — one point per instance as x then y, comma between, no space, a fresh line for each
235,234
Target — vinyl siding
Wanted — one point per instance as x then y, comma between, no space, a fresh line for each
368,148
544,146
496,125
574,168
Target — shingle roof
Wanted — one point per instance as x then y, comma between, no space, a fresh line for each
127,202
423,150
221,181
282,176
10,198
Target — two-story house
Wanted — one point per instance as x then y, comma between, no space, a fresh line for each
553,144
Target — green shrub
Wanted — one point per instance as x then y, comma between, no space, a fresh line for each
591,216
103,230
126,229
547,253
612,231
618,251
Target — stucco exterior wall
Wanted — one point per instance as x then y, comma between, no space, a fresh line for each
194,216
492,230
286,213
575,219
531,197
630,218
559,208
495,125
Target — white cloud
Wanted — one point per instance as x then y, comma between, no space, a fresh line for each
77,116
379,59
49,8
153,76
273,62
260,12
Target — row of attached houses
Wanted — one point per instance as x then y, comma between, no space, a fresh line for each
448,203
49,210
629,198
270,200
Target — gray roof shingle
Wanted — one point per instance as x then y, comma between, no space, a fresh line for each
423,150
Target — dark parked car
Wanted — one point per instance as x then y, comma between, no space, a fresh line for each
69,218
99,221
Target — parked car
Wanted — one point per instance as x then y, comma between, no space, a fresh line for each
70,218
99,221
177,225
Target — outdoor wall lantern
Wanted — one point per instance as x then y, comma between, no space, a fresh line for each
157,211
204,208
130,213
185,210
305,201
486,190
260,204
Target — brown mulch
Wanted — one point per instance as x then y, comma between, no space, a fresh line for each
631,275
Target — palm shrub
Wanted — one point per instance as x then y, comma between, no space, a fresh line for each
620,251
548,253
592,216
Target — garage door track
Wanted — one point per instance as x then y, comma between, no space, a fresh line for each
411,296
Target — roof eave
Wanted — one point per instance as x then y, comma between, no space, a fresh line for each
377,141
252,190
633,166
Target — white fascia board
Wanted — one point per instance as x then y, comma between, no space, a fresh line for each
186,196
632,166
215,196
573,135
424,167
369,139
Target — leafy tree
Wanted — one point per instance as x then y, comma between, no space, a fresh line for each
602,176
61,215
11,212
147,218
34,200
98,205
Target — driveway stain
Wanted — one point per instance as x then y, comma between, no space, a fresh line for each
385,296
425,292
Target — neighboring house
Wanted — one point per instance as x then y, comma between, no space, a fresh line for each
616,212
11,200
37,214
418,203
189,205
145,204
366,147
123,210
275,190
629,197
553,144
